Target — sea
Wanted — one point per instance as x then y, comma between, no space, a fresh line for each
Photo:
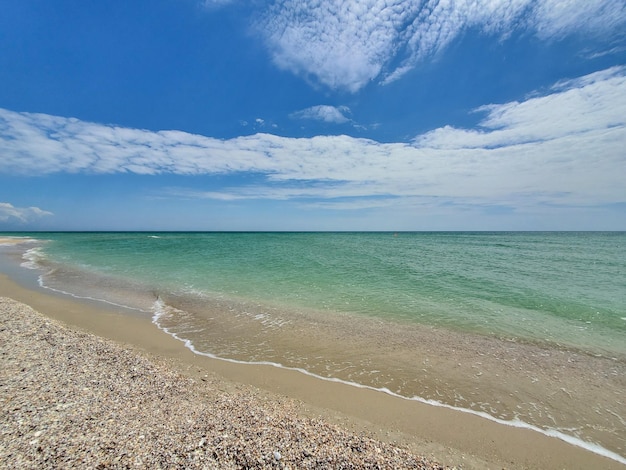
524,328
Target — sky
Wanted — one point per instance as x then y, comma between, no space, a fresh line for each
313,115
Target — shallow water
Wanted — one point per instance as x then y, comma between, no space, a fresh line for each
525,327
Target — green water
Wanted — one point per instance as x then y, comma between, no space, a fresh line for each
566,288
526,328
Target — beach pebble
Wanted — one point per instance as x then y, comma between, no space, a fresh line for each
128,411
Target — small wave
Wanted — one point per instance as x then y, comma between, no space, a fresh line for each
43,285
10,241
33,258
160,309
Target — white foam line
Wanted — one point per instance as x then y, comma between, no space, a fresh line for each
516,423
94,299
31,263
31,257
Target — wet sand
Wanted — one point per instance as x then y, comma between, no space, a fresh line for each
448,436
549,386
75,400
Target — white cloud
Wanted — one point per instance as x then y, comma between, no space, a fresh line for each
599,97
556,18
343,44
346,45
565,147
325,113
8,213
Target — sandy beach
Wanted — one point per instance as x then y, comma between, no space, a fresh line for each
74,400
73,397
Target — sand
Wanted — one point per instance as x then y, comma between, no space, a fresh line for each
146,401
71,399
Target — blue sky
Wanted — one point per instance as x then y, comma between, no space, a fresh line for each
313,115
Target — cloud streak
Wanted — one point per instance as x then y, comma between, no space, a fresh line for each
563,147
346,45
597,98
10,213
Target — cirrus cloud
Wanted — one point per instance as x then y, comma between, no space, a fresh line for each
346,45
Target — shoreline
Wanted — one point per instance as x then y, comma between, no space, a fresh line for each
449,436
73,399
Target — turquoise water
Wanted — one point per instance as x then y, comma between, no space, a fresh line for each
567,288
526,328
